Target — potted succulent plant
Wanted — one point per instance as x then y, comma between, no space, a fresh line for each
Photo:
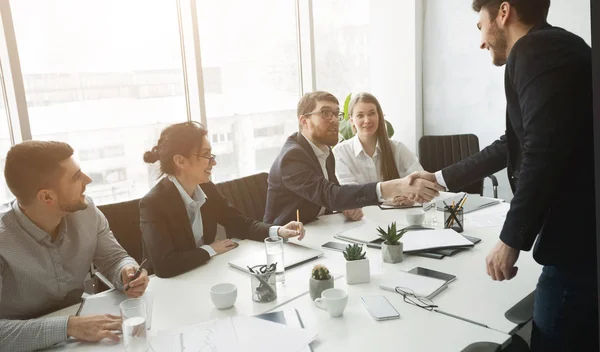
392,249
357,266
320,280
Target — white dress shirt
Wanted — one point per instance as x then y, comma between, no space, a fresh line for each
193,205
322,155
440,179
355,166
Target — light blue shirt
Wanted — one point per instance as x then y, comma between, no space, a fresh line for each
193,205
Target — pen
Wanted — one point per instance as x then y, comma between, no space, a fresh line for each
137,273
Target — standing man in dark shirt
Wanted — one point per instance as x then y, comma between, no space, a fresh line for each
548,149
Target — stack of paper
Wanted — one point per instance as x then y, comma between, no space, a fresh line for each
244,334
426,240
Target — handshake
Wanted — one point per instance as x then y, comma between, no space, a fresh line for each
418,187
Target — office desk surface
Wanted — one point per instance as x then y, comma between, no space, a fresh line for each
416,330
473,295
185,299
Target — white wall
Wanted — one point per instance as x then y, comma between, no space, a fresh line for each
462,91
394,60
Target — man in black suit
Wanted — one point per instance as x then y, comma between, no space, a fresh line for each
548,149
303,179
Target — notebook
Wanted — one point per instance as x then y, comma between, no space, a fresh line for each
472,203
422,286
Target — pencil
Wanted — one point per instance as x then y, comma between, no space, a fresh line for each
298,215
461,204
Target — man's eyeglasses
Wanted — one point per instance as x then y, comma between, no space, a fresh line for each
410,297
210,157
327,114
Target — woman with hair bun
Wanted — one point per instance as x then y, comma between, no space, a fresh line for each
179,216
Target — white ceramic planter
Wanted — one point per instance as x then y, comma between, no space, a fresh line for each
392,254
358,271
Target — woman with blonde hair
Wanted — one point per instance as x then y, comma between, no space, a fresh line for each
371,156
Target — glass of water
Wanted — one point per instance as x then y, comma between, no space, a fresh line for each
133,314
274,249
430,209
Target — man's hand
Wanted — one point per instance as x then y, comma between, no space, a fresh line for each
292,229
353,214
223,246
501,261
94,328
402,200
138,286
416,189
421,174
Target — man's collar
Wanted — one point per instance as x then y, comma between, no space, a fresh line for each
318,151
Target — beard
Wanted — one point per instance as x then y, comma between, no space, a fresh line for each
72,206
499,45
322,135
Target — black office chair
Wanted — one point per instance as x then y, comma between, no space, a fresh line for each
124,221
437,152
247,194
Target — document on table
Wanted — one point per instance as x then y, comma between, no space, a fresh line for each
102,303
489,217
240,333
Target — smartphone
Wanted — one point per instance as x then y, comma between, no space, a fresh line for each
432,273
380,308
336,246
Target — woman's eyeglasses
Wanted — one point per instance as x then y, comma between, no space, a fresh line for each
210,157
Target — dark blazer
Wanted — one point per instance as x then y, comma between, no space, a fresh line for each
548,149
296,181
167,234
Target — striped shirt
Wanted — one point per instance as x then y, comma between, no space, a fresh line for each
38,275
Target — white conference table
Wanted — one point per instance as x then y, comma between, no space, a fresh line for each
416,330
185,299
473,295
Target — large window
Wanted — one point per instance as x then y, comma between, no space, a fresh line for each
253,47
342,46
5,195
105,77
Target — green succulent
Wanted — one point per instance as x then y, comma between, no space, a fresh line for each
391,236
354,252
320,272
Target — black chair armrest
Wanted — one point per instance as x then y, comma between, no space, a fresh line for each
494,185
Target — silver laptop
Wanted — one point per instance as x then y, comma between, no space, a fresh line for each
293,255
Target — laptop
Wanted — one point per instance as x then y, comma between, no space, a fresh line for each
293,255
472,203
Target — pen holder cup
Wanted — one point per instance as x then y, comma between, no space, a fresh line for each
264,287
453,219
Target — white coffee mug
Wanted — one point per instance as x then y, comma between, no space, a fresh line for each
224,295
333,300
